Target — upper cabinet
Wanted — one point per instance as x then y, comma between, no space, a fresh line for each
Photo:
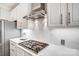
55,16
4,14
19,12
63,14
22,24
73,14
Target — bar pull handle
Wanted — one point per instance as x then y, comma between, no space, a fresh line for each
61,20
68,17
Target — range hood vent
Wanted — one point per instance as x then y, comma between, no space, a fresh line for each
37,13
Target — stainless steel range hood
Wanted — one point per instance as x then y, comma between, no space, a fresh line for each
37,13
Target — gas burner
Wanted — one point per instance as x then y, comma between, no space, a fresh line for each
33,45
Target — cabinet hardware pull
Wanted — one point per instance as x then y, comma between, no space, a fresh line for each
69,18
12,44
61,19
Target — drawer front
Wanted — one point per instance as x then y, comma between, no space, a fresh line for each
12,44
16,51
13,49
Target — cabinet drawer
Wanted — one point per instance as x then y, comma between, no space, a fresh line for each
13,49
12,44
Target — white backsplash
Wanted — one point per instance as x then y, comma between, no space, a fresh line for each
70,35
54,36
38,35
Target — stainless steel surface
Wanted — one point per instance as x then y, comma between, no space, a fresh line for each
39,11
35,15
34,46
8,31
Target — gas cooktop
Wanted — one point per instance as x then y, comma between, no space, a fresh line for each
33,45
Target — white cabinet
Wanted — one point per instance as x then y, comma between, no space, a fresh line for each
20,52
4,14
13,15
19,24
19,12
31,24
55,17
73,14
22,24
17,51
63,14
23,9
13,49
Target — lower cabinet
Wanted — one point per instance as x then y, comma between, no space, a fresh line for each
16,51
20,52
13,50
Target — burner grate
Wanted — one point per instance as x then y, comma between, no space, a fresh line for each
33,45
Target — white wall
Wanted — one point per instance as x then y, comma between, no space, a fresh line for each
38,35
70,35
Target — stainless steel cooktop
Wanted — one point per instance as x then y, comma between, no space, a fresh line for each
33,45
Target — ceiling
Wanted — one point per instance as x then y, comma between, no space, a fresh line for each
8,6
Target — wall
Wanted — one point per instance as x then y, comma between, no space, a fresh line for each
70,35
38,35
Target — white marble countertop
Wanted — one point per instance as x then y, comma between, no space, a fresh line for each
51,50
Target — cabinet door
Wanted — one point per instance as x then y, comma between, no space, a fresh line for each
24,23
13,49
20,52
31,24
4,14
73,14
19,24
54,14
13,15
23,9
19,12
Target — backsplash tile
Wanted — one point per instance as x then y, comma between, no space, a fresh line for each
70,35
